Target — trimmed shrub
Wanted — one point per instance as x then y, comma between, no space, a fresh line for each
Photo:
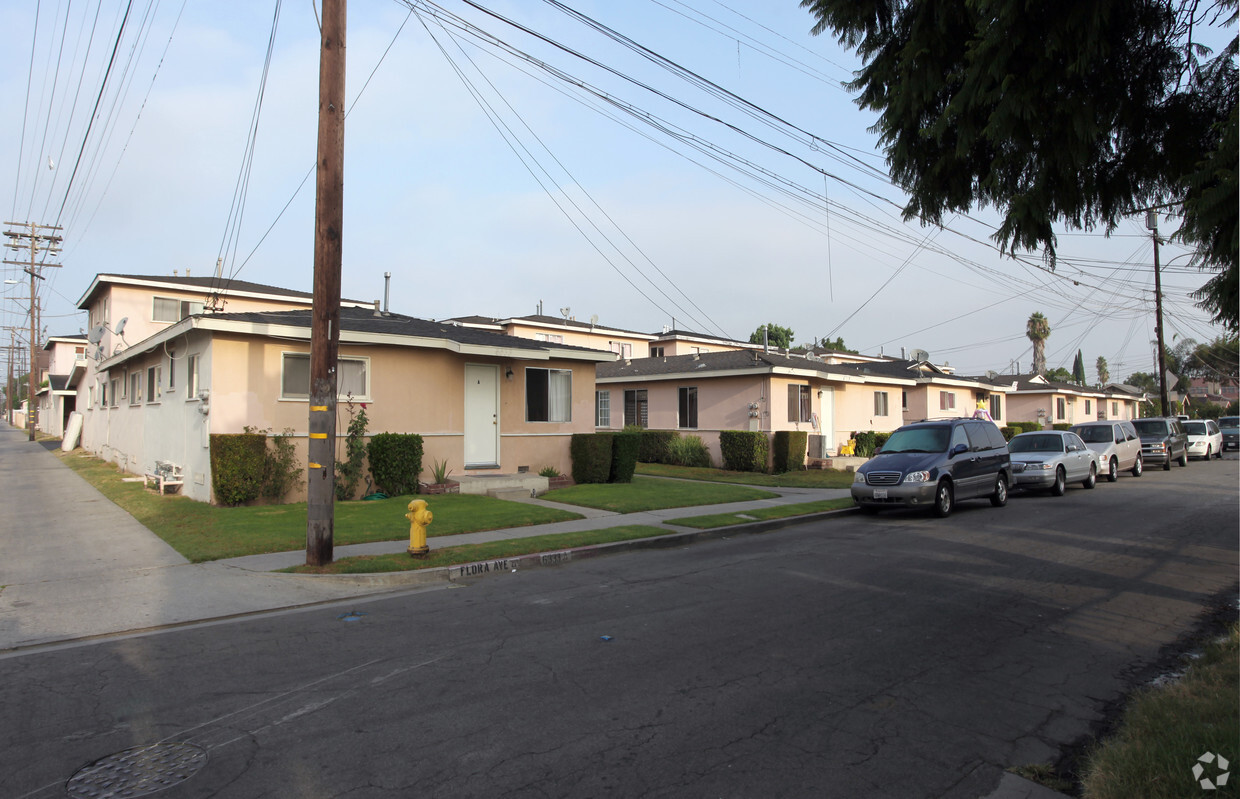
866,442
788,452
880,440
591,454
1008,432
744,451
689,451
238,466
1061,426
624,447
656,446
395,462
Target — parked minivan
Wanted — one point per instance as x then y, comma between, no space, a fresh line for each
1162,440
936,464
1117,444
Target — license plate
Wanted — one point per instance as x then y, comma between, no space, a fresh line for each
880,493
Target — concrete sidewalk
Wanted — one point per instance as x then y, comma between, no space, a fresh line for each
76,566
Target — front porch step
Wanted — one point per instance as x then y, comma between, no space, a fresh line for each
498,485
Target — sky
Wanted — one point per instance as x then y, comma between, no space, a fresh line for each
706,169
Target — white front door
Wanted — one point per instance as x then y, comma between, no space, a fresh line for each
481,415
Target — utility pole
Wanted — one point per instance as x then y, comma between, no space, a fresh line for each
325,313
38,243
1151,223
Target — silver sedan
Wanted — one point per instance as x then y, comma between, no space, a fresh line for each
1051,459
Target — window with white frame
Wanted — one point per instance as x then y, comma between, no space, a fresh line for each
191,377
880,403
154,375
1114,409
135,388
687,409
621,348
996,406
352,377
1087,407
550,338
170,309
656,352
947,400
1061,408
115,392
548,395
636,408
904,400
602,409
799,407
103,395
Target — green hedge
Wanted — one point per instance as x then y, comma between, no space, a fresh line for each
238,466
744,451
656,446
395,462
591,454
624,448
689,451
880,439
788,451
1061,426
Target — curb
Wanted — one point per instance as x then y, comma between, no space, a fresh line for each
482,568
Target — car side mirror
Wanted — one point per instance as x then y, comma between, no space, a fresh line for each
956,450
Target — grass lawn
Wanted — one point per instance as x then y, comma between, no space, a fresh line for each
807,478
1165,730
203,532
471,553
647,494
762,514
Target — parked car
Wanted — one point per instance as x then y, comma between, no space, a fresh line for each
936,464
1163,440
1230,426
1052,459
1205,440
1117,444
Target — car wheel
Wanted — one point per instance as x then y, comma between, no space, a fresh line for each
999,498
1092,480
943,500
1138,467
1167,463
1061,483
1184,458
1209,452
1113,469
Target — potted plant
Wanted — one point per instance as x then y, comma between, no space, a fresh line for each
442,485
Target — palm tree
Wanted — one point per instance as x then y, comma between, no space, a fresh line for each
1038,330
1104,374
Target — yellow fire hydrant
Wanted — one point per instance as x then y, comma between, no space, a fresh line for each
419,516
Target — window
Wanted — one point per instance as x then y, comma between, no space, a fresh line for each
167,309
947,400
620,348
688,406
1087,407
798,403
115,392
602,409
135,388
103,395
172,373
1115,409
996,406
191,377
550,338
880,403
352,377
1060,408
154,376
548,395
656,352
904,400
959,436
636,408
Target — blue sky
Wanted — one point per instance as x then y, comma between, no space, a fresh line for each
434,195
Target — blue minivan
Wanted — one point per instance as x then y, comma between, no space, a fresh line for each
936,464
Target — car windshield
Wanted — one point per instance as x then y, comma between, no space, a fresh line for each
1096,434
1150,427
1229,422
1036,443
1195,428
918,439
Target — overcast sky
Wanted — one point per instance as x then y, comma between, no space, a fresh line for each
486,182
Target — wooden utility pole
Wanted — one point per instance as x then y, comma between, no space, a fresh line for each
38,243
1151,222
325,315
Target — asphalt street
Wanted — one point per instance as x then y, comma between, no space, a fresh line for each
888,656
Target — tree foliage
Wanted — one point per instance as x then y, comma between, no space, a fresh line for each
777,335
1104,371
1038,330
1055,112
1078,369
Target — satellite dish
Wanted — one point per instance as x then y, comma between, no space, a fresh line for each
96,334
991,374
120,326
594,319
919,355
812,356
117,350
565,312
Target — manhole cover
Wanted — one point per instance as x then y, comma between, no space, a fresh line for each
137,772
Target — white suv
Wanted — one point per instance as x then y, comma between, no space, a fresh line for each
1117,444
